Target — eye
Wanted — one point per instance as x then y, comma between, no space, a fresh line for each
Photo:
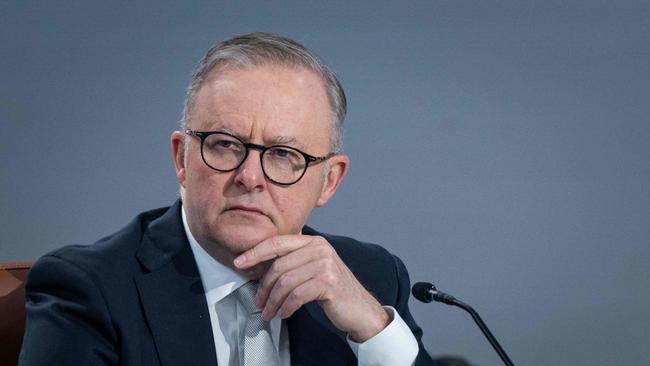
223,143
219,143
279,152
282,153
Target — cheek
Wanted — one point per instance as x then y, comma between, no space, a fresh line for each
203,178
205,188
294,207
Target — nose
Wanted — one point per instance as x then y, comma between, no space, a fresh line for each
250,175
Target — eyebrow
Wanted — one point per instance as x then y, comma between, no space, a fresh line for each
285,140
275,140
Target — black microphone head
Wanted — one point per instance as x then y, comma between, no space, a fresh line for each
423,291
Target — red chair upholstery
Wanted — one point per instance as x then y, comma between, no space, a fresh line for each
12,310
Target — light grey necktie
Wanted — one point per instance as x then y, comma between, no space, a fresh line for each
256,339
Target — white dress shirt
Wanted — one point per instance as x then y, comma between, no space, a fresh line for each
395,345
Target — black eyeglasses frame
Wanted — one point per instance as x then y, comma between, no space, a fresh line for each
309,159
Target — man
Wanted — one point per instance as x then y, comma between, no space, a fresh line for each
230,274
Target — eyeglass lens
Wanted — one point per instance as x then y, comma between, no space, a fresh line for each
281,164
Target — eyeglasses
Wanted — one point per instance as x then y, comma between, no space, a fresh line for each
281,164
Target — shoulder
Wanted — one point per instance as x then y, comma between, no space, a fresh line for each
113,254
80,297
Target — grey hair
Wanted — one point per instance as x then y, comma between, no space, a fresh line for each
257,49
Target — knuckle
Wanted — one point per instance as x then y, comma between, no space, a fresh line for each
284,280
330,250
325,251
252,252
276,244
290,309
330,278
320,266
324,266
330,266
294,298
272,301
276,269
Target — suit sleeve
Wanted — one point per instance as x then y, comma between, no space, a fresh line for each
401,305
68,322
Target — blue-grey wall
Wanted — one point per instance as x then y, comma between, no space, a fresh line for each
499,147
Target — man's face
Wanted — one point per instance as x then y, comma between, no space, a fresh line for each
231,212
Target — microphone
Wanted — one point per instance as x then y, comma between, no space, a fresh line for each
427,292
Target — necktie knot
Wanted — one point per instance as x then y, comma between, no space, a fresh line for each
256,341
246,296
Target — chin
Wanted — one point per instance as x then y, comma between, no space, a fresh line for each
239,238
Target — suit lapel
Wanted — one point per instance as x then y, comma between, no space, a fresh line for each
172,295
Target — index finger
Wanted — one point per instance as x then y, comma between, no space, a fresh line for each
273,247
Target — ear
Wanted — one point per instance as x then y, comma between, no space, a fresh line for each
178,152
338,165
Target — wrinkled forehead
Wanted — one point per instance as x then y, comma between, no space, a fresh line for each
262,101
226,67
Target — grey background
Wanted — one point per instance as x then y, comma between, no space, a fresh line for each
499,148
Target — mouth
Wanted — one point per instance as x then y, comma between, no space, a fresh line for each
246,209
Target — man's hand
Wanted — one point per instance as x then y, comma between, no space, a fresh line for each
307,268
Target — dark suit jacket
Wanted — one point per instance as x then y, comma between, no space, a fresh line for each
135,298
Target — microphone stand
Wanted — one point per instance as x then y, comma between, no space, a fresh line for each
493,341
427,292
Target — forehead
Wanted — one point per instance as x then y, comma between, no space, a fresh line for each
265,102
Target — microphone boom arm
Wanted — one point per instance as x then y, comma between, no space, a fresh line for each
427,292
493,341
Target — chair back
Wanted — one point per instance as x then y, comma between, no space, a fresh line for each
12,310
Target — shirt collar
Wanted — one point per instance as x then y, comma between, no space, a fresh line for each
218,280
